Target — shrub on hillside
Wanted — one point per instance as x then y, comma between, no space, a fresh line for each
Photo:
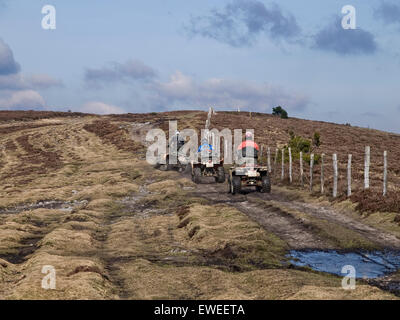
299,144
279,111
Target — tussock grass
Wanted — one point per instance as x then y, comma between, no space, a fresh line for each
141,234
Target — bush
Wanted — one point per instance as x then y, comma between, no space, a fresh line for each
316,139
299,144
279,111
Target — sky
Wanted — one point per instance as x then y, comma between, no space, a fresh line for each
146,56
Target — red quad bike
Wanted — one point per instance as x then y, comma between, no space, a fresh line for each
249,176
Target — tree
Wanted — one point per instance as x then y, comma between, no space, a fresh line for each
279,111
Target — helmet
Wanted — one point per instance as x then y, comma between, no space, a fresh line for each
204,141
249,135
177,133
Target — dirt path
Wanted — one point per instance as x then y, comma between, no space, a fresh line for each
385,239
272,212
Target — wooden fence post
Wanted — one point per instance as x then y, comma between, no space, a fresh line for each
384,173
290,165
276,161
269,159
311,171
283,164
261,151
366,166
322,174
208,122
301,169
226,150
349,175
335,174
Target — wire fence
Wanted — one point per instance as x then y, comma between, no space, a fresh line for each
332,174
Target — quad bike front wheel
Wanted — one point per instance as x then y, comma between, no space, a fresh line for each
265,184
220,175
236,185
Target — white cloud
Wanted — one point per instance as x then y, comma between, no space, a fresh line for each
23,99
17,91
98,107
182,91
19,81
116,72
43,81
241,21
13,82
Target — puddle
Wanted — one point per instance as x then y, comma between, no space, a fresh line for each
52,204
368,265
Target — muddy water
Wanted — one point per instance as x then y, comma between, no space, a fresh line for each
51,204
368,265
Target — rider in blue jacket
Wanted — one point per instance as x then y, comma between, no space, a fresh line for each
205,146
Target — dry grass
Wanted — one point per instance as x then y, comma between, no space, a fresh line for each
133,231
149,281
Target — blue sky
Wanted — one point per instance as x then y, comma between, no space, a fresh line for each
142,56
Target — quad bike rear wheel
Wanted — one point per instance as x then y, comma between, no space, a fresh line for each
196,175
188,168
164,167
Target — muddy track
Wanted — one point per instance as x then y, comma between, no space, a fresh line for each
271,212
385,239
295,234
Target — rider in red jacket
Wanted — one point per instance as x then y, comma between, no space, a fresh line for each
249,143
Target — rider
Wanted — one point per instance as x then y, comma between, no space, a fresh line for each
248,147
205,146
180,141
205,150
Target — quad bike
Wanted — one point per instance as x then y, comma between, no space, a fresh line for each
207,168
246,176
181,165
